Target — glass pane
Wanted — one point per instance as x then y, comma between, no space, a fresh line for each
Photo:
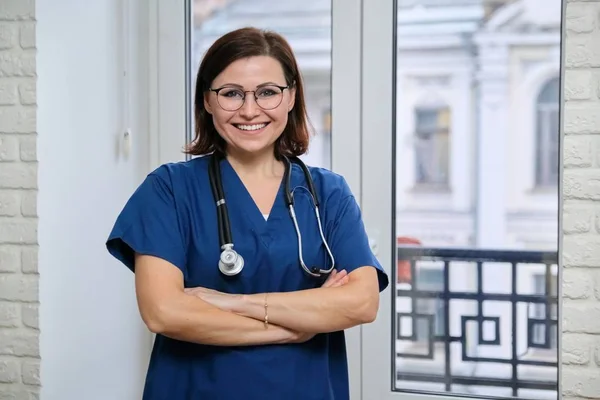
476,307
306,24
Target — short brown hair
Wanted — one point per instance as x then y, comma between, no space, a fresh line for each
235,45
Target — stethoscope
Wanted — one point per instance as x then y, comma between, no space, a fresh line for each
230,261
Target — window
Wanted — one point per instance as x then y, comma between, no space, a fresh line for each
432,131
547,134
459,69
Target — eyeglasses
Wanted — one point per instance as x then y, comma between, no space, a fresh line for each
232,99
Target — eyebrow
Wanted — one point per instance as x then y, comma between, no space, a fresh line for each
259,86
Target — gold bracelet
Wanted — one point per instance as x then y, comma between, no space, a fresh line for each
266,312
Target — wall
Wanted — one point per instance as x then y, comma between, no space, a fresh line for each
19,334
93,343
581,193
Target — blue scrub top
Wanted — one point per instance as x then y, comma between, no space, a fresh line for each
172,216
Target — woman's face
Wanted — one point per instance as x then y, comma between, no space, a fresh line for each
251,128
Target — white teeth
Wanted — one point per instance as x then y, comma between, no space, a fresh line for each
251,127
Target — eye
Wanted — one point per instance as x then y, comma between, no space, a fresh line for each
268,91
232,93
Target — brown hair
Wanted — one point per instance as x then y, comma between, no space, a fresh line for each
235,45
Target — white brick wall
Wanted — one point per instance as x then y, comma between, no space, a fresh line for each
19,334
581,191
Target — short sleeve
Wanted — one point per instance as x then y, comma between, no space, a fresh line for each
349,240
148,224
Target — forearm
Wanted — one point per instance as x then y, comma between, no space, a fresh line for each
314,310
190,319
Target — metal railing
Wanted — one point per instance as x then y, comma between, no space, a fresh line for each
440,345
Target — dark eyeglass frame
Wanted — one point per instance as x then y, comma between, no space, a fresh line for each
217,90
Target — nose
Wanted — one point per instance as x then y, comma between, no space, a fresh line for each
250,109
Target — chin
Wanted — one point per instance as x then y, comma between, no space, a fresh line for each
253,148
252,145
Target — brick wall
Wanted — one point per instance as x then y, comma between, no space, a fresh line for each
581,191
19,331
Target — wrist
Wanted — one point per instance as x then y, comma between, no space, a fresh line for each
253,306
244,305
238,305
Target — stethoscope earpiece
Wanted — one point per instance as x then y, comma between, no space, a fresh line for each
230,262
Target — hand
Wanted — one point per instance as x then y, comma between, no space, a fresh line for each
336,279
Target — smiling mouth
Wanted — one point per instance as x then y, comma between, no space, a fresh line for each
250,127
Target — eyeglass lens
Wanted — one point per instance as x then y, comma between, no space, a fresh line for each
267,98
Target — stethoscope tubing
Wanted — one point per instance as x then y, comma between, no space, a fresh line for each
224,226
222,211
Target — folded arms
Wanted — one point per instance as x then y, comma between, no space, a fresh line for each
205,316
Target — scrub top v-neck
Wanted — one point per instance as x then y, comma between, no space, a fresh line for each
172,216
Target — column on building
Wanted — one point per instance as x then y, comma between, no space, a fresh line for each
492,153
490,185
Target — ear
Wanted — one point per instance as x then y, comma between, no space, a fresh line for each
292,99
207,105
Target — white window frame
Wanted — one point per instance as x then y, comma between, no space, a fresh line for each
167,101
346,138
378,69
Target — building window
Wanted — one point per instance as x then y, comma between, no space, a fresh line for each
547,135
432,146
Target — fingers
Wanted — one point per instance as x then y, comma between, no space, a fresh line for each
336,279
329,279
342,274
340,282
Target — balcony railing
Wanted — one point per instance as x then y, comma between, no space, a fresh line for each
479,304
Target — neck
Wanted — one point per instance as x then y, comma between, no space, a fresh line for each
263,165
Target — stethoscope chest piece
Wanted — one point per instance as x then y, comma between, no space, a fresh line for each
230,262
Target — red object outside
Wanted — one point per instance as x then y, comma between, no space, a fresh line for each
403,271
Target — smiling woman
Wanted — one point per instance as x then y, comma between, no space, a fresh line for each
242,62
302,270
259,121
